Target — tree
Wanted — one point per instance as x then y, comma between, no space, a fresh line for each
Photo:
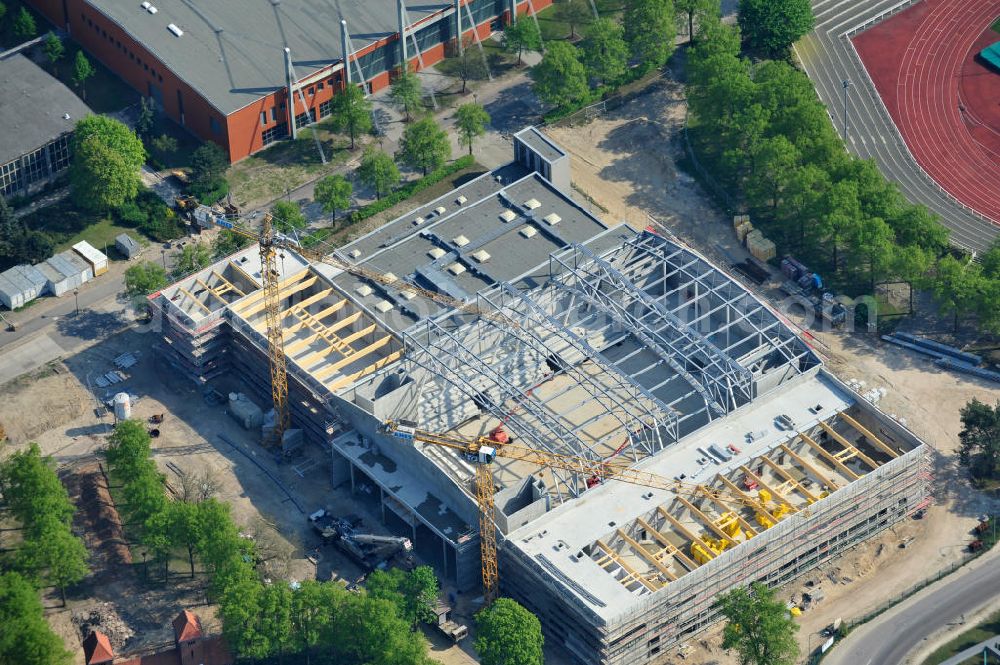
378,171
699,9
3,11
508,635
333,193
759,627
51,552
184,522
53,49
650,31
144,278
470,65
773,26
605,53
368,630
287,216
164,144
956,286
574,12
351,112
26,638
227,243
407,92
82,71
31,488
470,121
414,593
209,164
10,229
192,257
107,157
24,25
980,439
424,145
144,123
560,78
522,36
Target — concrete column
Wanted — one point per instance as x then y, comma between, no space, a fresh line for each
351,465
458,25
401,15
444,557
347,52
381,502
290,84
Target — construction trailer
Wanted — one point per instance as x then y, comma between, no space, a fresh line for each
580,338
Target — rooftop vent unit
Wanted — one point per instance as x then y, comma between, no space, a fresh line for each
408,295
440,210
529,231
460,241
354,253
436,253
531,204
418,221
481,255
456,269
552,219
363,290
383,306
174,29
461,200
389,277
508,215
152,9
146,5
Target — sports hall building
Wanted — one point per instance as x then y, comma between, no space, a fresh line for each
226,69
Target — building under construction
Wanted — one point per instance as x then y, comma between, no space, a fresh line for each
587,339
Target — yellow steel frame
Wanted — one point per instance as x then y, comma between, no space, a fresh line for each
275,336
487,531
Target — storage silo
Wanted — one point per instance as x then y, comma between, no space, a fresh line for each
123,407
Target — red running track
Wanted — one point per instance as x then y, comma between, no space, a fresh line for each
944,102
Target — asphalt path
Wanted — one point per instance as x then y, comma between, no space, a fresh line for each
829,58
887,639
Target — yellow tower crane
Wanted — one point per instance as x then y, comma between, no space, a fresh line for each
270,241
482,452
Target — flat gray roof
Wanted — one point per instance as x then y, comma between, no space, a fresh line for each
539,220
540,143
34,108
232,51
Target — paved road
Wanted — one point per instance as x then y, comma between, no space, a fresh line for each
829,58
888,639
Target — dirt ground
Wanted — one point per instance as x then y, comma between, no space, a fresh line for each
55,408
615,166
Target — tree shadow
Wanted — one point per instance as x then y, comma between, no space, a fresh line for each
517,108
91,325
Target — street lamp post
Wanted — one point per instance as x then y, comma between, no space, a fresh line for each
163,257
76,295
847,84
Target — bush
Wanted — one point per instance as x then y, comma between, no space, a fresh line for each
131,214
408,190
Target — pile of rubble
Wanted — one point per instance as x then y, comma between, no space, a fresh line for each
104,618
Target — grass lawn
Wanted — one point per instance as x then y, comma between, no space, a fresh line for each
286,165
969,638
65,224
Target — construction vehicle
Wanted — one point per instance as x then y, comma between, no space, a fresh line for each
368,550
446,625
270,241
482,451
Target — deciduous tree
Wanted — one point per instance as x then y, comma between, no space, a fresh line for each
414,593
407,92
470,121
333,193
697,9
980,439
774,25
508,634
424,145
471,64
82,71
107,157
193,256
560,78
351,112
143,278
758,626
53,49
650,31
605,53
209,164
26,638
522,35
286,216
24,25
